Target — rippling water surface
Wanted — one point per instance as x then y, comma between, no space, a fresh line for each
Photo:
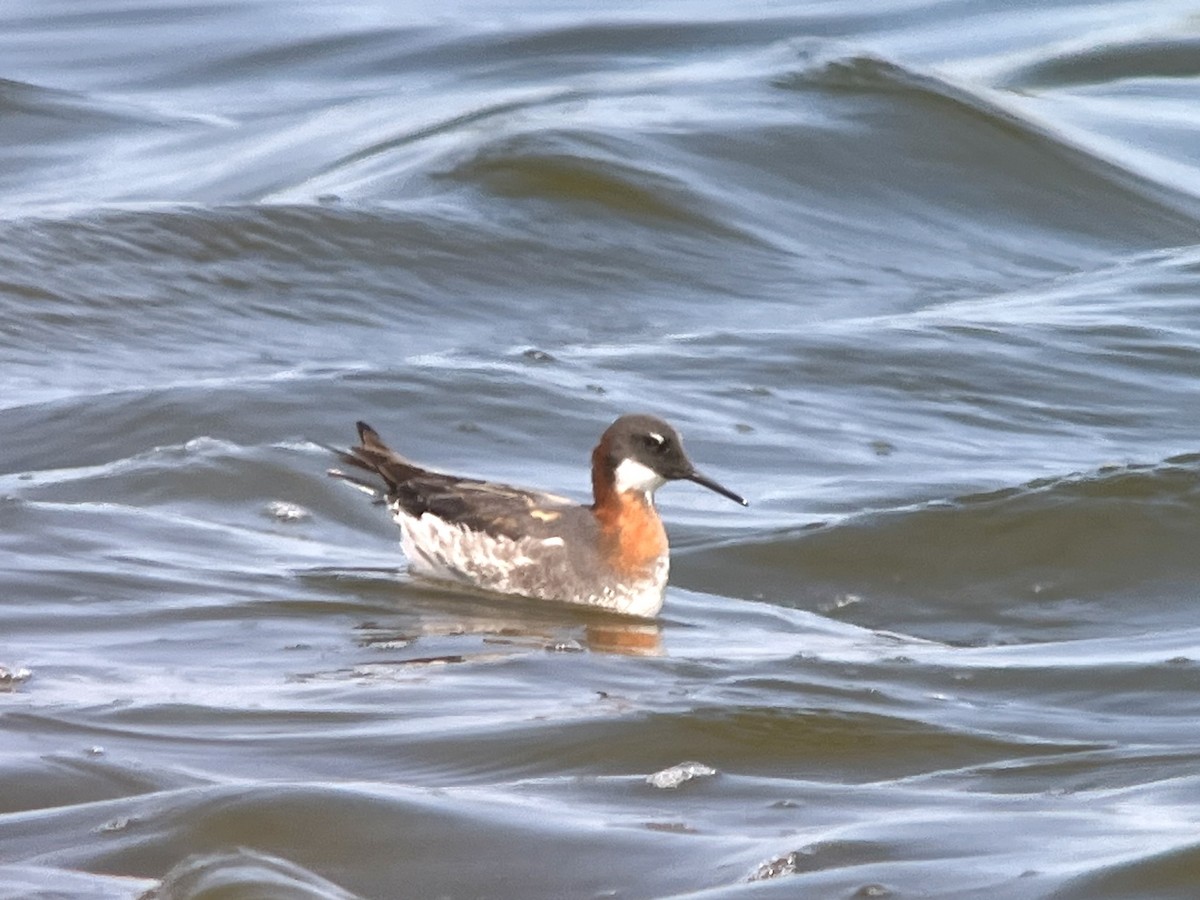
921,280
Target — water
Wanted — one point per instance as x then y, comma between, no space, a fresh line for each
921,280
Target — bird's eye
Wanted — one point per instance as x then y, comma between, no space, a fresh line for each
655,441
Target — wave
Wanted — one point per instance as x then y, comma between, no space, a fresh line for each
244,873
1118,60
1088,554
982,117
58,113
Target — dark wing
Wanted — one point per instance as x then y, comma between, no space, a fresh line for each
498,509
479,505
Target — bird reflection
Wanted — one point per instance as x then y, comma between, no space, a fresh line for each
416,625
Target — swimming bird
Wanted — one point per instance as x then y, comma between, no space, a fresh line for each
612,555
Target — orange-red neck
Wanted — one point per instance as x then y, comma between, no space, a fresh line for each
633,534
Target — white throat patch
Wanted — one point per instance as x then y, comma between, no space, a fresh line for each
632,475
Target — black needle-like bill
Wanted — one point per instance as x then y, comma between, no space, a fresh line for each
705,481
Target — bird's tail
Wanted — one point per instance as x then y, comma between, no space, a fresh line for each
376,457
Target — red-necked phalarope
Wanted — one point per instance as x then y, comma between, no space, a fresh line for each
612,555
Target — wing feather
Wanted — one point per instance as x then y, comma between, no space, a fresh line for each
485,506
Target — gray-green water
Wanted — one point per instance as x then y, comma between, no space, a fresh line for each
921,280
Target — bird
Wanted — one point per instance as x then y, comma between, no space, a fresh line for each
610,555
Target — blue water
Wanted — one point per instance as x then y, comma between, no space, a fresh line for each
921,280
